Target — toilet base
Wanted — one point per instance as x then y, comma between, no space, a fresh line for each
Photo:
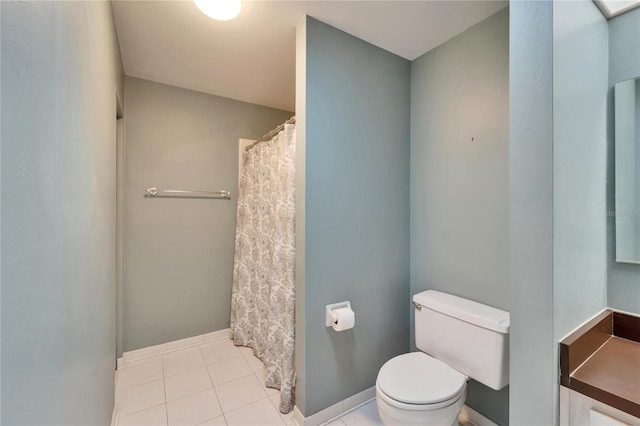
394,415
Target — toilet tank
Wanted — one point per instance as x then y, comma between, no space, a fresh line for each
468,336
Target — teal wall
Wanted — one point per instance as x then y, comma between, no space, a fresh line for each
580,74
178,254
533,380
558,161
623,287
460,187
356,218
61,71
580,85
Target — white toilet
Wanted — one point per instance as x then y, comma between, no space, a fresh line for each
459,339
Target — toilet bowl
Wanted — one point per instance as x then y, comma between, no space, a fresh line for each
458,339
415,388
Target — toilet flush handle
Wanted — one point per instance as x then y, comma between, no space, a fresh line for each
416,305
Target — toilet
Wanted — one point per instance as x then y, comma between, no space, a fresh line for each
458,339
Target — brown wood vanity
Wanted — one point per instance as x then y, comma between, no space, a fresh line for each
602,360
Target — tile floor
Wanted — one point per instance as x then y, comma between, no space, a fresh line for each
215,383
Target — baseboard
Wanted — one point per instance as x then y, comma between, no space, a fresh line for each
336,410
469,415
171,346
114,417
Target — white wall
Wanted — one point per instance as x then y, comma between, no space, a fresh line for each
60,75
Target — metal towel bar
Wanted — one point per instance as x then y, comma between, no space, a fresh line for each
154,192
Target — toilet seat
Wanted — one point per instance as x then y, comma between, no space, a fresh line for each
417,381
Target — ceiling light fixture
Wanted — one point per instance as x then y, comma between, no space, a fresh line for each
222,10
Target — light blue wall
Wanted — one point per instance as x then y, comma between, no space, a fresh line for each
357,212
580,85
533,380
623,290
178,254
60,75
460,187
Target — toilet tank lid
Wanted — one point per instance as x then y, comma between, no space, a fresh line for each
465,310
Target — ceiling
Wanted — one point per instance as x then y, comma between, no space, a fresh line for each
252,58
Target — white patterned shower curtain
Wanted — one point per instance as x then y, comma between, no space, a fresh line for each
263,293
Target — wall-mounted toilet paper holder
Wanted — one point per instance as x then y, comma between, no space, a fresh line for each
330,318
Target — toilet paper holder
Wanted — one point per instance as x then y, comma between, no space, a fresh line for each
330,319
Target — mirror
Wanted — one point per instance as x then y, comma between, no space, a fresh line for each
627,170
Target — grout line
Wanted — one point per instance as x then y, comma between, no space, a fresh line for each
139,411
139,384
215,392
164,385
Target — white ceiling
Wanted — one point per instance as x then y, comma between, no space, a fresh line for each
252,58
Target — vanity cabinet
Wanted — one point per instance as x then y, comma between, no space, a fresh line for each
600,372
577,409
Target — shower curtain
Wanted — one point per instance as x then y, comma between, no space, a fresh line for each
263,292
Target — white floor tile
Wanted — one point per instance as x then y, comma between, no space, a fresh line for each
184,384
245,350
140,397
288,418
261,376
260,412
139,373
228,370
255,363
193,409
367,415
239,392
336,422
141,361
182,361
156,416
218,351
218,421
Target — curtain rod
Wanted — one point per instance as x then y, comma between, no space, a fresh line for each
268,136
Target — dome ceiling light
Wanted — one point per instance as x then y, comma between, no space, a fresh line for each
221,10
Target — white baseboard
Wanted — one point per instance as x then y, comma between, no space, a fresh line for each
468,416
171,346
114,417
336,410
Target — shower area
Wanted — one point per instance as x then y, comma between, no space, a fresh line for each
206,303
